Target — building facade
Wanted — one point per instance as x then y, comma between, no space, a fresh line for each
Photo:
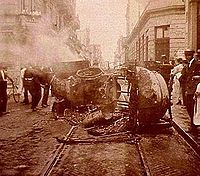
119,57
193,23
96,54
32,30
159,30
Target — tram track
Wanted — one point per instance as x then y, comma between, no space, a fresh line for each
46,171
136,141
195,144
63,147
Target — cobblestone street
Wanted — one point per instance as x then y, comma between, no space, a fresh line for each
27,142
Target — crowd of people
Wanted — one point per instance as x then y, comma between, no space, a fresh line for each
186,76
183,80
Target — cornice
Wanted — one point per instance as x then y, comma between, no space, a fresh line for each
171,10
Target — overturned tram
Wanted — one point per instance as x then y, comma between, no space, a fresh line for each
138,93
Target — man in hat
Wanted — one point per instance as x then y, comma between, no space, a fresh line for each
3,90
183,79
192,79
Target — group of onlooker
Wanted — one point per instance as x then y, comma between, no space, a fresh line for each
186,76
29,83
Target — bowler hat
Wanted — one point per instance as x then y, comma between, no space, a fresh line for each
189,52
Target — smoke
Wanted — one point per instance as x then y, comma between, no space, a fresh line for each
41,46
48,45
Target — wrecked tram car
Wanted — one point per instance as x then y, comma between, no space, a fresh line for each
108,92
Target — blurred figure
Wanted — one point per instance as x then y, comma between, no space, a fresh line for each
183,80
197,106
165,69
22,85
176,74
3,90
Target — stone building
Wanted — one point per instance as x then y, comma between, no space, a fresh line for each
96,54
84,39
133,12
36,31
89,51
119,57
193,23
159,30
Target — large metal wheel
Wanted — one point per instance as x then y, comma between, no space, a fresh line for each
15,93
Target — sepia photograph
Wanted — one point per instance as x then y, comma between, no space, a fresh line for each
99,87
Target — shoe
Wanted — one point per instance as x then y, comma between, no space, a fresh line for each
34,109
7,112
44,105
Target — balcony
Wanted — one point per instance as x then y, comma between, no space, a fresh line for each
31,17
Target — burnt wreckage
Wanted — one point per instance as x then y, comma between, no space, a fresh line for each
105,103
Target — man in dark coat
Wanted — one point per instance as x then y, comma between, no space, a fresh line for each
32,84
3,90
183,79
192,78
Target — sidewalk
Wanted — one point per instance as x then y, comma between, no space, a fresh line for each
181,117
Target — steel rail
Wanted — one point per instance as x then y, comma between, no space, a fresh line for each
195,146
50,165
142,159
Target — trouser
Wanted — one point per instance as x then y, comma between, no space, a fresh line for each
184,97
25,95
184,94
45,95
35,92
3,96
190,106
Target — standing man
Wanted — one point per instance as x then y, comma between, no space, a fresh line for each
45,86
193,75
184,74
22,85
35,88
3,90
32,84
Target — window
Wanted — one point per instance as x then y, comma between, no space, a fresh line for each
159,33
162,31
27,5
147,47
166,31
